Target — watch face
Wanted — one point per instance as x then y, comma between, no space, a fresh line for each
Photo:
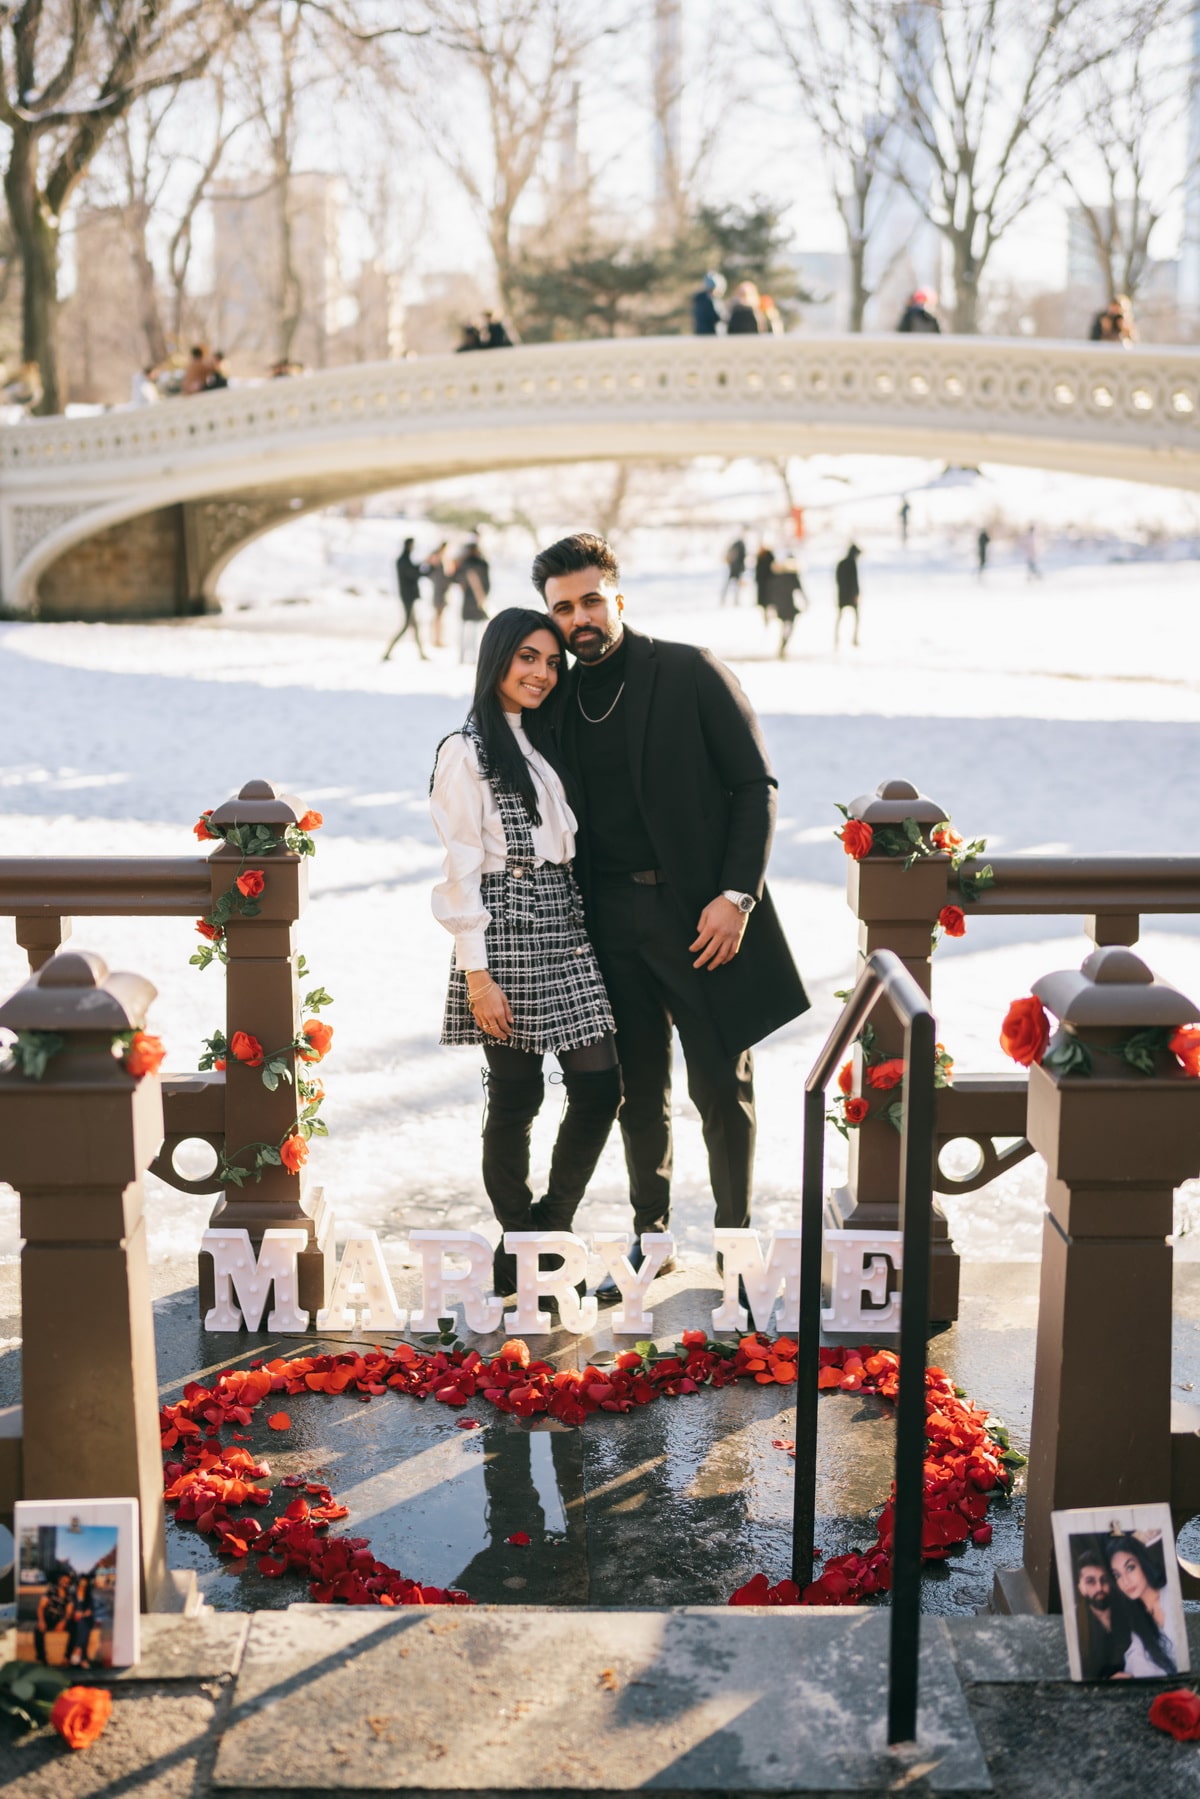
746,903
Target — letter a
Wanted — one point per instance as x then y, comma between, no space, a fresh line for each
363,1284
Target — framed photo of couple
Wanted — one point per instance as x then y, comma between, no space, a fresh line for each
77,1582
1122,1605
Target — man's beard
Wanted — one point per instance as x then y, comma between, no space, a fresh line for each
589,644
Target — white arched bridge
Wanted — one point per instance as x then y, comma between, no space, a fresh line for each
136,512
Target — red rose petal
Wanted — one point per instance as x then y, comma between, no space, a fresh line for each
279,1421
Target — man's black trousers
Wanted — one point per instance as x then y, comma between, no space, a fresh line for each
642,943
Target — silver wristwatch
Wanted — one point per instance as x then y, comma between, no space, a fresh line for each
745,902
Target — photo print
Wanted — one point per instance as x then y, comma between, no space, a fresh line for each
77,1582
1122,1605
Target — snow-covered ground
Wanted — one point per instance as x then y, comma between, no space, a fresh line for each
1048,715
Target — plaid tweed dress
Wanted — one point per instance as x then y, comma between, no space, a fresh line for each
538,951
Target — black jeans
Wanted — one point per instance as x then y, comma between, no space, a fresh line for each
642,947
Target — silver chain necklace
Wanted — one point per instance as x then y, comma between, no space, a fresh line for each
603,715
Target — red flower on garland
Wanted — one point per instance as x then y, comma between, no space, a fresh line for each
520,1539
145,1055
251,884
293,1153
1185,1044
219,1064
883,1076
856,838
214,932
856,1110
953,921
945,837
247,1049
1178,1713
320,1039
200,828
80,1715
845,1078
1025,1033
312,821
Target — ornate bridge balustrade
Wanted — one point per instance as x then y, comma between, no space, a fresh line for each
231,1109
138,511
897,908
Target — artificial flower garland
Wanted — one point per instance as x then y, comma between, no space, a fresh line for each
32,1052
242,897
1025,1035
969,1455
884,1074
907,839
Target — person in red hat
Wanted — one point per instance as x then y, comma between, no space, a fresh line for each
918,315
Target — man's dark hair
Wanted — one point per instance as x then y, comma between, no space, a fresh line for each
570,554
1089,1558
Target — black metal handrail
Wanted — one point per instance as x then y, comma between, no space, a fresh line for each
884,977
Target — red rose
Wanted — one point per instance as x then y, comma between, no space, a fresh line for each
293,1153
251,883
953,921
1177,1713
856,1110
857,838
515,1350
219,1064
247,1049
883,1076
945,837
693,1339
145,1055
312,821
201,830
1025,1033
80,1714
213,932
1186,1045
846,1076
320,1039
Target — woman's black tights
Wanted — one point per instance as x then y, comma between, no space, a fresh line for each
515,1089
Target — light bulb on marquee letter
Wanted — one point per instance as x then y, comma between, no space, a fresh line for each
743,1257
442,1287
575,1315
614,1247
236,1268
853,1280
362,1283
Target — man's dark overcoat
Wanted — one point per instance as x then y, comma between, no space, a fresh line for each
708,796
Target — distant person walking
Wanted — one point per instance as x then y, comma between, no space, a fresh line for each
474,578
218,376
439,574
1115,324
199,368
735,570
771,316
1028,543
846,577
494,334
745,315
919,315
708,314
764,564
783,586
408,580
904,515
469,339
143,389
981,550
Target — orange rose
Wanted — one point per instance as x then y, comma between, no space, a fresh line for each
1177,1713
515,1350
213,932
857,838
201,830
1186,1045
953,921
856,1110
312,821
145,1055
846,1076
247,1049
80,1714
886,1075
219,1064
320,1039
945,837
251,884
293,1153
1025,1033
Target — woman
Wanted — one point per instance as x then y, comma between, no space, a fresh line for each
440,573
1141,1581
745,315
82,1619
524,980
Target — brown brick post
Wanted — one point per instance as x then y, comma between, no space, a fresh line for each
1117,1143
262,998
896,908
74,1145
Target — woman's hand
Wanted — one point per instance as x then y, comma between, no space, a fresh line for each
489,1008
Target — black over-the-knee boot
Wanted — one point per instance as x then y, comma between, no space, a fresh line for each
513,1102
593,1100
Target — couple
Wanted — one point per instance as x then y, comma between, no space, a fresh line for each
642,772
1122,1584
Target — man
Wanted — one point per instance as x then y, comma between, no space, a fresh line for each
1101,1654
846,576
735,570
708,315
676,804
408,580
474,577
917,315
495,334
981,553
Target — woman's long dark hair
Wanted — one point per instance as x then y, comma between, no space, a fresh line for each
1138,1618
505,634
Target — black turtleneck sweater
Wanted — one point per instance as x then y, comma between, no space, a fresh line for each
617,837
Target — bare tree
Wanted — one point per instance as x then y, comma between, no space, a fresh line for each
844,80
984,88
67,75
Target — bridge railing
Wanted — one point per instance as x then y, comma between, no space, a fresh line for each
228,1107
898,908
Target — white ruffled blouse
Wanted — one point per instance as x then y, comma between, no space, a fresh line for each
467,819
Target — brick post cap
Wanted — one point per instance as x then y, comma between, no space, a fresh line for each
894,801
1113,988
260,803
74,992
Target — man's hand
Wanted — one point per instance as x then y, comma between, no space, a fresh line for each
719,933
